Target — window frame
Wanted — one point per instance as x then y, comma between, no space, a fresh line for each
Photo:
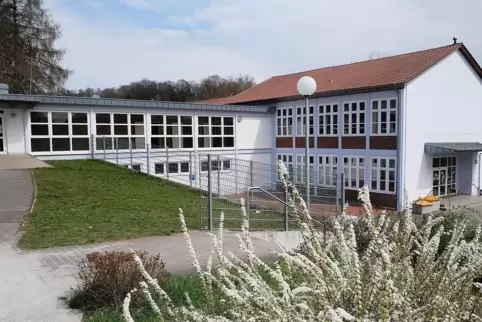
280,118
222,163
211,136
285,157
322,170
358,112
378,169
300,168
379,111
50,135
311,120
323,115
164,136
347,172
129,136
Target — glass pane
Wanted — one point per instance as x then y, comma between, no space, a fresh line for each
392,164
38,129
60,117
383,104
217,142
229,121
228,142
187,143
60,129
157,143
216,121
80,144
60,144
443,162
186,120
203,120
436,162
393,104
40,145
216,130
172,119
120,118
120,130
204,142
39,117
186,130
79,118
103,129
137,129
184,167
173,143
159,168
102,118
138,143
229,130
374,105
391,186
137,119
157,130
157,119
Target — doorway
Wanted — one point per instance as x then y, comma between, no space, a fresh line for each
2,133
444,176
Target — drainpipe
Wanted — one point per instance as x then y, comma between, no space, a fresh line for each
478,185
400,141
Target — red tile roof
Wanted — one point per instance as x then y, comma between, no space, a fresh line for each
376,73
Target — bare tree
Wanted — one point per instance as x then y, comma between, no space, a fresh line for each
376,55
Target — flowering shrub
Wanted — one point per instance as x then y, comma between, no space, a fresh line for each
398,274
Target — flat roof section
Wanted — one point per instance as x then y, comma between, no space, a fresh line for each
450,147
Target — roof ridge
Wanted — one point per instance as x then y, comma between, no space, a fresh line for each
456,46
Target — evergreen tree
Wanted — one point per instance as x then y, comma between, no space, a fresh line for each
29,61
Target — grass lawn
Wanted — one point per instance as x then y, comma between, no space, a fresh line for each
89,201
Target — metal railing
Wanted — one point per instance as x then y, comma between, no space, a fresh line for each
222,180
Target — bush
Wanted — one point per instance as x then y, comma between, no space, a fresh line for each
106,278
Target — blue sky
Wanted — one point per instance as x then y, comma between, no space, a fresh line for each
113,42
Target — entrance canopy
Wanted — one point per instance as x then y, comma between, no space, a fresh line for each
451,147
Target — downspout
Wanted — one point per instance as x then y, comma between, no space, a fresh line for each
400,148
478,185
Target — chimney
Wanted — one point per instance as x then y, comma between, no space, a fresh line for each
3,88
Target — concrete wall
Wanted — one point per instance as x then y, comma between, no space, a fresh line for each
443,105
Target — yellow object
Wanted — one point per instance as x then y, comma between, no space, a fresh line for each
424,203
431,198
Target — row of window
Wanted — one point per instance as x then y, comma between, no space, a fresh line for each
183,167
383,171
69,131
383,111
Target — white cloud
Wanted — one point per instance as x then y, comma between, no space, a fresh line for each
261,38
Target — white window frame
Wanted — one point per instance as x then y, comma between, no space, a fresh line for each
328,171
288,162
358,112
164,136
222,135
324,117
300,169
225,165
51,135
379,166
301,120
377,112
129,166
284,122
130,136
353,182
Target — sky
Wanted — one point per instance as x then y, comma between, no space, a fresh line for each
113,42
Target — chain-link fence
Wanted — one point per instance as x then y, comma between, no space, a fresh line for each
222,182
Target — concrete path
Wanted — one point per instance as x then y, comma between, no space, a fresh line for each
21,161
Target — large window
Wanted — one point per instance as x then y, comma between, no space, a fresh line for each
328,119
300,168
287,160
354,118
384,117
301,120
284,121
120,131
383,175
173,131
354,172
59,132
328,170
215,132
216,165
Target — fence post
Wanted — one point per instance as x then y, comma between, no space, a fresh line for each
93,145
210,195
218,162
342,190
130,150
116,150
103,146
251,173
167,162
148,159
287,215
190,168
235,176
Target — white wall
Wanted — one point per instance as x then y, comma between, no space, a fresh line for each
14,131
444,104
255,132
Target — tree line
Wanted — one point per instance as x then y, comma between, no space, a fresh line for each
31,63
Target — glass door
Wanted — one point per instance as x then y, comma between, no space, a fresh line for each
444,176
2,133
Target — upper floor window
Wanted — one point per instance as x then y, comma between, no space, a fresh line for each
383,175
354,171
301,120
59,131
328,119
172,131
215,132
354,118
284,121
384,117
120,131
328,170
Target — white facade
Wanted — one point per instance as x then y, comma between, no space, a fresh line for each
443,104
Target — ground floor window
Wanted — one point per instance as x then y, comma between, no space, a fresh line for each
383,175
444,176
287,160
354,171
301,168
134,167
328,170
216,165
